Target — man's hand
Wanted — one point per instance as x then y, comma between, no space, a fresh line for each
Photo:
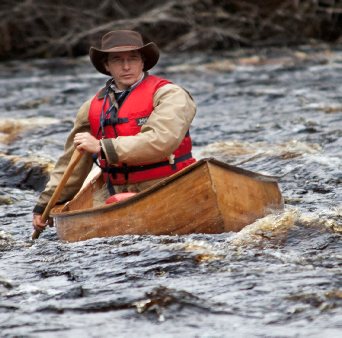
85,141
39,225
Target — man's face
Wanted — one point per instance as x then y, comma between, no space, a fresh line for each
126,68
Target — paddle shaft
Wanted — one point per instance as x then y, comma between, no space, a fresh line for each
75,158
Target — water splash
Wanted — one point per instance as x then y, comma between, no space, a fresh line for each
9,128
233,149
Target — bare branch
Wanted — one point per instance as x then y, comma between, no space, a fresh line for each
31,28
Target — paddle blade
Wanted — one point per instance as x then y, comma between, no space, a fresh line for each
35,234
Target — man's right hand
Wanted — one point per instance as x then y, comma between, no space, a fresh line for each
39,225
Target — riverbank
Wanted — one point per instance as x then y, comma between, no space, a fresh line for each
32,28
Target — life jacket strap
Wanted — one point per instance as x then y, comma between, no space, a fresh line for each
114,121
125,169
109,182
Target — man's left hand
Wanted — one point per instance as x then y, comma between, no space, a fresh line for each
85,141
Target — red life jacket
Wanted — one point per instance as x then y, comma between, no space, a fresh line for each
132,115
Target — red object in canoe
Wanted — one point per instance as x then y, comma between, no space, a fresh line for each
119,197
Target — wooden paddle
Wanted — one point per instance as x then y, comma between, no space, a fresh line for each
75,158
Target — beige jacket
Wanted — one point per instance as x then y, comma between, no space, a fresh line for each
174,110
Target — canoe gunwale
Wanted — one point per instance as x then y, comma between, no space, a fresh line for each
238,170
260,177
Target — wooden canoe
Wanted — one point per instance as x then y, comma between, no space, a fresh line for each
208,196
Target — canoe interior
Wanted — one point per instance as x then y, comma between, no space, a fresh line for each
207,197
84,199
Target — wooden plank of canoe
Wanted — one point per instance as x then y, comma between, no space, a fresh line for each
185,205
242,198
84,198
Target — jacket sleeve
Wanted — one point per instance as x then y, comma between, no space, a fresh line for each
79,174
174,110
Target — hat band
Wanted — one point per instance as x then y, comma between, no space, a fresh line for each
123,47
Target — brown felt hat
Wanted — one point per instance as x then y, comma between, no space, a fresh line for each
123,41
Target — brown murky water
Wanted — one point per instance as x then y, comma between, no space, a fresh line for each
275,111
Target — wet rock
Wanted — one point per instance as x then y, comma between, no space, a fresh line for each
161,300
7,241
4,235
33,103
318,188
6,201
5,283
21,173
10,128
50,272
51,309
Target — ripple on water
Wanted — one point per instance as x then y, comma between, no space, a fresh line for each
276,113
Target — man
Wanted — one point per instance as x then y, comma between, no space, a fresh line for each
137,124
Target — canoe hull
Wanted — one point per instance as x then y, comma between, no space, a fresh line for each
205,197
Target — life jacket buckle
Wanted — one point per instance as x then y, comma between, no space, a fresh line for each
126,170
113,120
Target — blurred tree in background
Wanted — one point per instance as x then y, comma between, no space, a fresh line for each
36,28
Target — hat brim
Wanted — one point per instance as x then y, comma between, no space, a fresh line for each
150,52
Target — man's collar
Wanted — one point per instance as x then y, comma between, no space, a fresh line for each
118,91
110,83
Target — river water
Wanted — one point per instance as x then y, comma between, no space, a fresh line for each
274,111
